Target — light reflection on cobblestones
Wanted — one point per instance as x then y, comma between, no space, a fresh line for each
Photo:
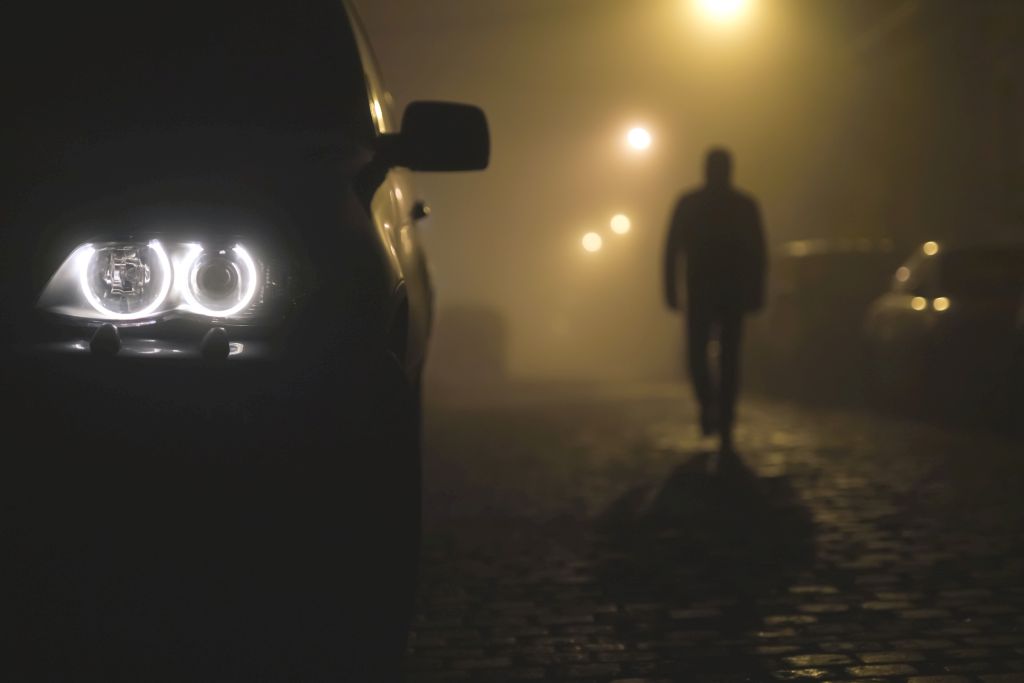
573,538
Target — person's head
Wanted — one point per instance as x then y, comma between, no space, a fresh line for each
718,167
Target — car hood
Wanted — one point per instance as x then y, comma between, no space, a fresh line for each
131,158
58,189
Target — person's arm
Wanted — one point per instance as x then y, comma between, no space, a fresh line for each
673,247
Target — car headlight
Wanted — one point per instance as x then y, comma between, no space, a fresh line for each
219,283
124,281
145,280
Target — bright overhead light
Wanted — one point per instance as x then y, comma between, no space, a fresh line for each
639,139
621,224
724,11
930,248
592,242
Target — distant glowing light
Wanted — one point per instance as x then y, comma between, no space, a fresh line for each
800,248
639,139
621,224
919,303
941,304
724,11
930,248
903,274
592,242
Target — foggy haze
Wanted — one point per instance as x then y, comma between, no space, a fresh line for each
838,129
606,340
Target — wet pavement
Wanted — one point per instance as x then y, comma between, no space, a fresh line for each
590,535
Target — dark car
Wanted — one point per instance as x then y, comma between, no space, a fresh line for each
947,335
807,343
215,312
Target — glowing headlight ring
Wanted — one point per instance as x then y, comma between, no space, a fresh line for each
250,290
165,287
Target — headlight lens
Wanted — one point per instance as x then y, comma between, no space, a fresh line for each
125,281
219,282
139,281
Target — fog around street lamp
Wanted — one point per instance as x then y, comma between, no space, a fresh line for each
621,224
723,11
639,139
592,242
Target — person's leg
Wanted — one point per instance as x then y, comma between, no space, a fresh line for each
698,328
730,336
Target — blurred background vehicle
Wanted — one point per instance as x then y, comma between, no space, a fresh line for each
947,335
807,342
469,347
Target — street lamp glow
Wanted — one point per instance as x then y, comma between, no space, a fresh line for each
592,242
621,224
930,248
724,11
639,139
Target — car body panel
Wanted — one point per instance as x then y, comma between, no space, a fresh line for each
148,464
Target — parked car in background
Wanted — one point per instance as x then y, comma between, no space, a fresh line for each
469,348
947,334
214,312
807,342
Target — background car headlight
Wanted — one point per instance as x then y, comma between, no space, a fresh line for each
146,280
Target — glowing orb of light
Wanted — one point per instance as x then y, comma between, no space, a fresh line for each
919,303
592,242
639,139
724,11
930,248
621,224
941,304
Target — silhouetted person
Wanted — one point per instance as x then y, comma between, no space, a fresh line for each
717,239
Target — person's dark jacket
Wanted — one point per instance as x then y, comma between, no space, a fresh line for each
717,232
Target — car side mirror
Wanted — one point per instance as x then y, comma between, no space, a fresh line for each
439,136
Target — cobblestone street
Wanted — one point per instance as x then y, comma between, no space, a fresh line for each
586,536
